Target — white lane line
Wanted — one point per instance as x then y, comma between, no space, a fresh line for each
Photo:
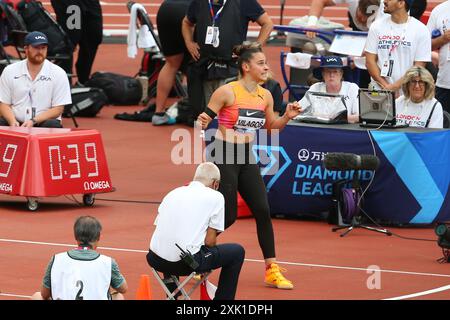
14,295
360,269
69,245
423,293
249,260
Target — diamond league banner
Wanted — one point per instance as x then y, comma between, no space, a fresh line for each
410,186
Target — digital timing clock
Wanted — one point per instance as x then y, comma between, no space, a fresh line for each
42,162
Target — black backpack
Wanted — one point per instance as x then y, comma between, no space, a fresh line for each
120,89
86,102
37,18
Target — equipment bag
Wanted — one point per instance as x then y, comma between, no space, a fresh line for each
120,89
86,102
37,18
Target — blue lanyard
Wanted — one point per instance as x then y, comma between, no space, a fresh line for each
214,17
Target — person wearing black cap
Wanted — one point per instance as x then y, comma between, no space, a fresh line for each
394,44
33,91
331,73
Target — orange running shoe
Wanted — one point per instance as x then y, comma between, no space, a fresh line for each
274,277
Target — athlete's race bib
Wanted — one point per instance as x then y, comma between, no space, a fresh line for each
249,120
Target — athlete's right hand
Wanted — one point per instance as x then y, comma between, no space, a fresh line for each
203,119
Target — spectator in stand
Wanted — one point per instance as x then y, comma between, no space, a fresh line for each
331,73
361,14
394,44
418,107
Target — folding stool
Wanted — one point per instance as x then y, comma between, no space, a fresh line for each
198,278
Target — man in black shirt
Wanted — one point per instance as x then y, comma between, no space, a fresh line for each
211,29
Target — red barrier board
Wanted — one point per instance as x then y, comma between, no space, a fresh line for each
39,162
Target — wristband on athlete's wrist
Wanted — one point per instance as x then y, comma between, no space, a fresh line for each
210,113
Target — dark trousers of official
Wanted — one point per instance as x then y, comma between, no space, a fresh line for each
229,257
443,96
52,123
88,37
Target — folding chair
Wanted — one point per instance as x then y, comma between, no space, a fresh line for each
197,278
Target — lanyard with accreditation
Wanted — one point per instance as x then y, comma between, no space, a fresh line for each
388,65
212,32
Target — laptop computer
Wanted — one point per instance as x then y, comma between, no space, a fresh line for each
377,109
323,108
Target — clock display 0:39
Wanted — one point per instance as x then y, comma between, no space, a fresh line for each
73,161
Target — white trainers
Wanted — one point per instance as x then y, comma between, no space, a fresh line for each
162,120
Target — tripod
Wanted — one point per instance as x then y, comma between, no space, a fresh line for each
347,206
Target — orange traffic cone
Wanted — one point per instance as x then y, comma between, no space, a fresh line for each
144,291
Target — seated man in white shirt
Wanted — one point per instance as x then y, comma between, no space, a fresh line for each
418,107
190,217
33,91
331,73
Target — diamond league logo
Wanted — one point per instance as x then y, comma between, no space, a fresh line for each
279,162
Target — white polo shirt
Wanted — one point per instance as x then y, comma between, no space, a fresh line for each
49,89
183,218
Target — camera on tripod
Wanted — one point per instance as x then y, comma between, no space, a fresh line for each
188,258
443,232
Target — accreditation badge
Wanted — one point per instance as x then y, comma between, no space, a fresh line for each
386,68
